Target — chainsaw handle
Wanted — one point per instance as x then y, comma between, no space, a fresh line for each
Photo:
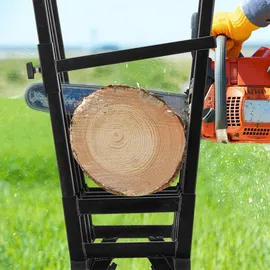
194,25
220,89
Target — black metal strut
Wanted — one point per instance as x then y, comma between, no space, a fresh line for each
80,201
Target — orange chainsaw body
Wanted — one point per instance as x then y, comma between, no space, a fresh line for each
247,100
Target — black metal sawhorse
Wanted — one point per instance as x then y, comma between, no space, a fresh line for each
80,201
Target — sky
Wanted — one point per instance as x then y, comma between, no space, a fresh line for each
126,23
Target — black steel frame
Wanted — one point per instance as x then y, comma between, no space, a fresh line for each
80,201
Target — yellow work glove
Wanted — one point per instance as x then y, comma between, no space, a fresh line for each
236,26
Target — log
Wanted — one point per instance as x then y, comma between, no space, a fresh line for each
128,141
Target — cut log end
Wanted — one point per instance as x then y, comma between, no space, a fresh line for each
128,141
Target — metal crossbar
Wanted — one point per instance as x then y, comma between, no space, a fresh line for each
80,201
135,54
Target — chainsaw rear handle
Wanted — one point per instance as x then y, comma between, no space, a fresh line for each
220,90
220,83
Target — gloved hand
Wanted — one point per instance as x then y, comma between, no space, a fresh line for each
236,26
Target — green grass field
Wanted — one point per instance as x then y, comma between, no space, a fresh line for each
233,193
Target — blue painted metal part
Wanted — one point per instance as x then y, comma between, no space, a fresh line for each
36,98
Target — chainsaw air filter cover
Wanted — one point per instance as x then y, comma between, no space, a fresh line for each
247,100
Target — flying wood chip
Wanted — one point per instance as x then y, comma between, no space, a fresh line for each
128,141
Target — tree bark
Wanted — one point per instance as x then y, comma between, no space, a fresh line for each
128,141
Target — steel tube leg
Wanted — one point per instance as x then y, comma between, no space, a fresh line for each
188,181
52,85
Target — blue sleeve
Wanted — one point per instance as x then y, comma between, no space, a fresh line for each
257,11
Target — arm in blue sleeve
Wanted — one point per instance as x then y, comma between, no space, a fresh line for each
257,11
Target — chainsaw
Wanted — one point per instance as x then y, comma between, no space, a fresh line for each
236,101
